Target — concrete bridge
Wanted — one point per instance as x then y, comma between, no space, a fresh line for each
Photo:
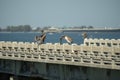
59,62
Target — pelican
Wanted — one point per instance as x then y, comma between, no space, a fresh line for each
84,35
67,38
40,39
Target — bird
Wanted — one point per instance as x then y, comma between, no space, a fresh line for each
67,38
84,34
40,39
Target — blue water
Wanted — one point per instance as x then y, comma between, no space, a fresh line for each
54,38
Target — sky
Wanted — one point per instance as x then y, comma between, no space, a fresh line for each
40,13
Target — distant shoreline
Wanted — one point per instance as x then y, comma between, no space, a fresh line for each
19,32
68,30
91,30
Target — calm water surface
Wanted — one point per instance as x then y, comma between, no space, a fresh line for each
54,37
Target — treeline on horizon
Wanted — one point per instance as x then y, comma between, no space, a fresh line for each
20,28
28,28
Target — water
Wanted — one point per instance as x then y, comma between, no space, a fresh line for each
54,37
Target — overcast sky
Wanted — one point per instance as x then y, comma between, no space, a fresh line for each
37,13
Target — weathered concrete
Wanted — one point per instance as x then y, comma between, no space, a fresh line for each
62,62
87,54
54,71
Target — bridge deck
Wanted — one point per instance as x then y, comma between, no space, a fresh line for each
87,54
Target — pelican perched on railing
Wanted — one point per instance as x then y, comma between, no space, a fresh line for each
40,39
67,38
84,35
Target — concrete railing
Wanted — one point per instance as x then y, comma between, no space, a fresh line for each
80,55
102,42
